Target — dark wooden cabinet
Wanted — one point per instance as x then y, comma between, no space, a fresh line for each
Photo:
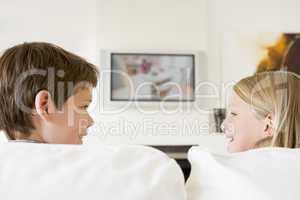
179,153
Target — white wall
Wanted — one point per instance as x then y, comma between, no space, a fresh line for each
86,27
155,24
71,24
242,17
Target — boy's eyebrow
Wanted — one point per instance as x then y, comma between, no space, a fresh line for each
86,101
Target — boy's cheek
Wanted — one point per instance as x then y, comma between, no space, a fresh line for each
66,128
62,129
83,125
66,119
61,136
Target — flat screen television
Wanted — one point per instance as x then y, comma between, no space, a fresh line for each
152,77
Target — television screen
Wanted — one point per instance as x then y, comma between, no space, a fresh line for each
152,77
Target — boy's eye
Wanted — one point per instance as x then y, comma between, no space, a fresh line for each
84,107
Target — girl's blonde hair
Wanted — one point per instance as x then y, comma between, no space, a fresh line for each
275,93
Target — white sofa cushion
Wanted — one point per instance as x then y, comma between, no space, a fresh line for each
40,171
261,174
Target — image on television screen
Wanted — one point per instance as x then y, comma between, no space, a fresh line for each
152,77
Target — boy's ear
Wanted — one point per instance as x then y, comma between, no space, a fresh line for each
268,126
43,104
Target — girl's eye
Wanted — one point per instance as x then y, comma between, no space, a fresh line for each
233,114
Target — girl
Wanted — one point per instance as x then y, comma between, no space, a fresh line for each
264,111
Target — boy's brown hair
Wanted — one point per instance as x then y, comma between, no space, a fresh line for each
28,68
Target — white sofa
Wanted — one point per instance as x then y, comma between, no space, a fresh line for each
260,174
47,172
40,171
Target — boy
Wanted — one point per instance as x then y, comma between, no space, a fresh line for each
44,94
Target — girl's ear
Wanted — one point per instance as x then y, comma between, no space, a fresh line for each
268,126
43,104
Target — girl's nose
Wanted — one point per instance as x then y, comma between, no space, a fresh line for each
223,125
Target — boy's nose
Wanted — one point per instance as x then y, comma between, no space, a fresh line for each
90,121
